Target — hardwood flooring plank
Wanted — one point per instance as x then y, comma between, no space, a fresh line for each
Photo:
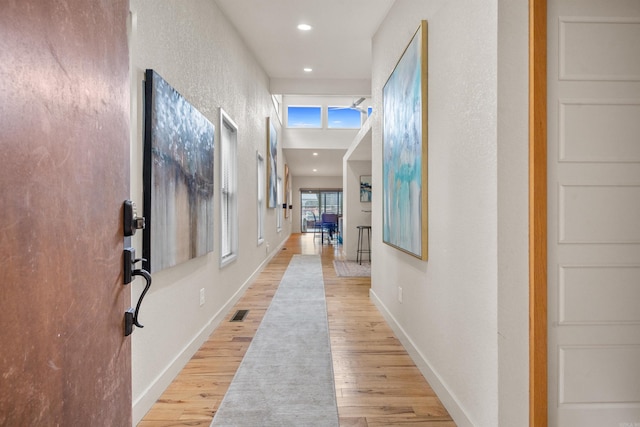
353,422
377,383
412,422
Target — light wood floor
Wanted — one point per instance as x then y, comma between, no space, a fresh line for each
377,383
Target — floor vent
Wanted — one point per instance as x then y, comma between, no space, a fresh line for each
239,316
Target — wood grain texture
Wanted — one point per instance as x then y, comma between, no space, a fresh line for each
377,383
538,213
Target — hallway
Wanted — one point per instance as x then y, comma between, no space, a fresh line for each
377,383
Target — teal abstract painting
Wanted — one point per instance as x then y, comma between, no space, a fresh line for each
404,142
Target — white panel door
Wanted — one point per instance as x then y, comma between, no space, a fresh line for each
594,212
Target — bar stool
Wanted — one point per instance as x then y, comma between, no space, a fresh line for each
361,250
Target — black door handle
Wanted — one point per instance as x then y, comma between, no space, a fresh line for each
131,315
133,222
147,277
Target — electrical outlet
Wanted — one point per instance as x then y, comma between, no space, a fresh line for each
400,294
201,297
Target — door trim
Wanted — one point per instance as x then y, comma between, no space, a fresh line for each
538,213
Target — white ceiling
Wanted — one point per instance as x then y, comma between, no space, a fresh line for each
302,162
338,49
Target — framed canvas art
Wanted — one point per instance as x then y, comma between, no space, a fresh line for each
177,177
279,208
272,165
404,146
365,188
287,185
261,193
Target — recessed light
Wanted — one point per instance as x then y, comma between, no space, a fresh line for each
315,170
304,27
315,154
308,70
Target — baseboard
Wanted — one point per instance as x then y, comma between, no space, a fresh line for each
151,394
437,384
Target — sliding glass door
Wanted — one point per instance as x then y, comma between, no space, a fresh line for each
316,202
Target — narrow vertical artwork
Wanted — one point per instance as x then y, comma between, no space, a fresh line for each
178,177
365,188
279,213
404,141
287,200
272,165
261,193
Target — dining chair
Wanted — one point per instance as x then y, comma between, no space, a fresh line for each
329,223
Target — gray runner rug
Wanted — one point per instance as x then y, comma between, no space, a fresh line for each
286,376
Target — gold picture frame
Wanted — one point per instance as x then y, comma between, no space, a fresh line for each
405,146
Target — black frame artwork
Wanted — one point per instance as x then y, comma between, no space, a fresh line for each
178,168
365,188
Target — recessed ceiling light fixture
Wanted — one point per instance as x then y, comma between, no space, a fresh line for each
315,170
304,27
315,154
308,70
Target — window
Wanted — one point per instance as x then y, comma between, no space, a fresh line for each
228,190
313,203
261,193
304,117
344,118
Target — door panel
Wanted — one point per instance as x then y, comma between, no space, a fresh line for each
594,212
64,135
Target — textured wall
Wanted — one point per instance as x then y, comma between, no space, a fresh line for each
193,46
449,309
513,213
464,315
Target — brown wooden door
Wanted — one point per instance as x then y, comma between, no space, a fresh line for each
64,173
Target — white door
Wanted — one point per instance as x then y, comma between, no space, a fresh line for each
594,212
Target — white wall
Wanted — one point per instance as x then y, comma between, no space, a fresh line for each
356,162
310,182
355,212
194,47
513,213
472,290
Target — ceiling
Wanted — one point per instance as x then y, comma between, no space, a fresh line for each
302,162
337,48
